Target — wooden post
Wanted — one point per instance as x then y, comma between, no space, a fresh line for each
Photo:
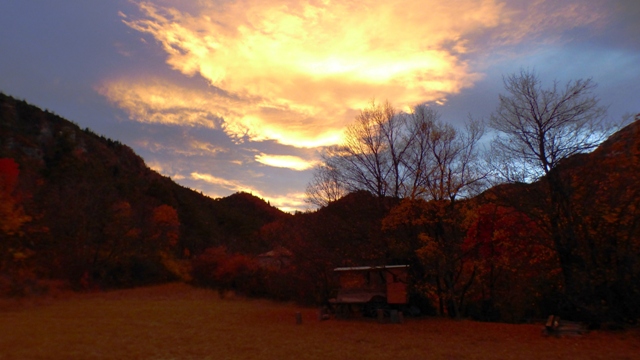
395,318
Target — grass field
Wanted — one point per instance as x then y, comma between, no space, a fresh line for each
179,322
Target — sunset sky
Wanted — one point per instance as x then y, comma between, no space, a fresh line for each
241,95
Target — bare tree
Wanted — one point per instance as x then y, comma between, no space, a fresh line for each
445,161
420,124
325,186
370,158
399,155
450,166
537,129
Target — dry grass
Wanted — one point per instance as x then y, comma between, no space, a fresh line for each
178,322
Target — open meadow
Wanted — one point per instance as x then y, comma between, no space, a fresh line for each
176,321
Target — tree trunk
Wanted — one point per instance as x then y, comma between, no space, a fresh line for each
577,289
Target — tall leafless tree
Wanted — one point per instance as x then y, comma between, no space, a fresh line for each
537,128
325,186
370,157
400,155
450,166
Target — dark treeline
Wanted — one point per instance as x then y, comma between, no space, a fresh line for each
490,240
85,209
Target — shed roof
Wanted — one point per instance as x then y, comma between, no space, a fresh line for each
277,252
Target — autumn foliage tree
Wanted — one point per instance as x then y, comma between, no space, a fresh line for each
14,271
116,246
12,215
428,235
224,271
516,266
165,227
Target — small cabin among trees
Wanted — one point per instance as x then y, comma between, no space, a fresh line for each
276,259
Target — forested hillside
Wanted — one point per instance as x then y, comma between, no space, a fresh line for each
91,211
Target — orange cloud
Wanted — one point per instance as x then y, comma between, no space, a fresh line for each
289,202
296,71
234,186
155,100
285,161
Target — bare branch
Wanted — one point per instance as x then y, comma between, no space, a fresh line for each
537,128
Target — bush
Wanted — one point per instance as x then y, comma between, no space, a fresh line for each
220,270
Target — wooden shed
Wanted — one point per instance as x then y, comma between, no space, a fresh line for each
276,259
373,287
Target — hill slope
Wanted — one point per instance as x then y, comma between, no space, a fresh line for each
97,208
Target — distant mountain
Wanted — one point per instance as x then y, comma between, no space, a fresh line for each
82,190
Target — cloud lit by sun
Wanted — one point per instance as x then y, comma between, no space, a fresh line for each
285,161
289,202
296,71
154,100
234,186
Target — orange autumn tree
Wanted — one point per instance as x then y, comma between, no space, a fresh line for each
12,215
428,235
118,245
515,263
166,226
165,240
13,254
224,271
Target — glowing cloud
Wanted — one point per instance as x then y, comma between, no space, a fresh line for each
289,202
224,183
285,161
155,100
296,70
